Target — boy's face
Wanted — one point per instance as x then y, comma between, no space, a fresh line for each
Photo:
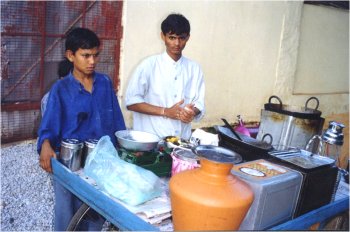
175,44
84,60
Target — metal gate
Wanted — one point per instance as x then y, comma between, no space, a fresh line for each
32,45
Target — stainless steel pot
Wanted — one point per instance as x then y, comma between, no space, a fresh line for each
137,140
290,126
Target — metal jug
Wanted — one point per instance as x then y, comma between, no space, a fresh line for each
330,142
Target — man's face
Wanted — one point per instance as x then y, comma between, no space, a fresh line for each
84,60
175,44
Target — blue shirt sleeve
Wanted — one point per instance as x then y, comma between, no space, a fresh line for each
51,121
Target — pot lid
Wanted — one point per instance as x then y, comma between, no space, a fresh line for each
72,143
217,154
334,133
91,143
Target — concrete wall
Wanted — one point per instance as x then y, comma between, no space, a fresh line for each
249,50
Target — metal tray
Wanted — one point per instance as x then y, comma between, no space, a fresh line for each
302,158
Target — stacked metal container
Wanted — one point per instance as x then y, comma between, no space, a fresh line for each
276,191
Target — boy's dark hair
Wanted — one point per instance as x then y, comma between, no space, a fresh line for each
81,38
176,24
77,38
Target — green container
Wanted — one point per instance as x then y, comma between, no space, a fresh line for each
159,163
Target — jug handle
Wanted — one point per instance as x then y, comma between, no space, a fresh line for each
312,140
267,135
279,100
312,98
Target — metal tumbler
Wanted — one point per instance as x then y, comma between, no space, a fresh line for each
89,146
71,154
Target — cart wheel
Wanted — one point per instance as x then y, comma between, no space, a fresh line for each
83,214
78,217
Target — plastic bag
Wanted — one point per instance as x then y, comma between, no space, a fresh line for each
127,182
204,138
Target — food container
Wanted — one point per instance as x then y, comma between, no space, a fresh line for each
276,190
173,142
319,177
71,153
183,159
89,146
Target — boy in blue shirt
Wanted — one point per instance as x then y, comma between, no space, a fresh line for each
82,105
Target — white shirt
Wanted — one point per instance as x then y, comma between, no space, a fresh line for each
161,81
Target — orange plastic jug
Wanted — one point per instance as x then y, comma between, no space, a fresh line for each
209,197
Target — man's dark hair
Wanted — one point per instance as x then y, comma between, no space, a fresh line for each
81,38
176,24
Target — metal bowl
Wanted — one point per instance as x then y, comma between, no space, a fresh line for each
137,140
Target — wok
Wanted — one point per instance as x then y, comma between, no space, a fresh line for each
137,140
249,148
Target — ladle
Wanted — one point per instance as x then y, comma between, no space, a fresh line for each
231,129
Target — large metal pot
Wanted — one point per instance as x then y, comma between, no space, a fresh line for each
290,126
137,140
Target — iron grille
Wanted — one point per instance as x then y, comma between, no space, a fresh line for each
32,45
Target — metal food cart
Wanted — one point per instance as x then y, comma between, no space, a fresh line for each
124,219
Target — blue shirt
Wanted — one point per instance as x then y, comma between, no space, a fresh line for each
74,113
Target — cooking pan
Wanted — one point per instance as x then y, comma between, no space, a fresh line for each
295,111
249,148
137,140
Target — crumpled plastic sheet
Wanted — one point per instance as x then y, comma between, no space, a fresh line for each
127,182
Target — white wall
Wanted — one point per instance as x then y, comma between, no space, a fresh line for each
248,51
315,53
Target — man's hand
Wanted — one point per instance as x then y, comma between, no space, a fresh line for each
45,156
188,113
174,112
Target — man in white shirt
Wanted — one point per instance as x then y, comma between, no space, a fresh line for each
166,91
